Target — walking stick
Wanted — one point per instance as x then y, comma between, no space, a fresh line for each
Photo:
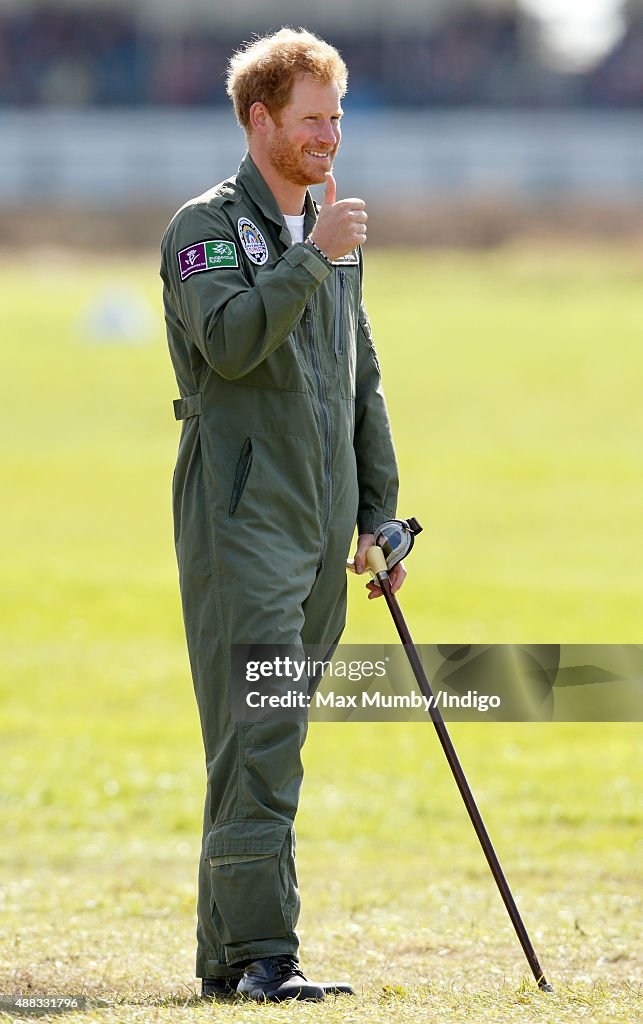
379,564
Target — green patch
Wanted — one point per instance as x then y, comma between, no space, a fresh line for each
221,254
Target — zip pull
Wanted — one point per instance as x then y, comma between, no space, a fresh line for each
308,312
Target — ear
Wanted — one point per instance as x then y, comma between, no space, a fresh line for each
259,117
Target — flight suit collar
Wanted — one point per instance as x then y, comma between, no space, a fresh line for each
252,181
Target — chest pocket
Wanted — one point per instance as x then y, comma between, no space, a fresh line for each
346,321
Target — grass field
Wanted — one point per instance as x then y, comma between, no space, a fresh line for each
514,383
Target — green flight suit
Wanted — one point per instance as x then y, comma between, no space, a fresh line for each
285,446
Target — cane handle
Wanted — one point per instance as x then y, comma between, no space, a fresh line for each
375,560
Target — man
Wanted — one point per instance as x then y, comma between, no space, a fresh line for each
285,447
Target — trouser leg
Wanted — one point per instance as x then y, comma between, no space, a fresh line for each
254,898
248,902
252,882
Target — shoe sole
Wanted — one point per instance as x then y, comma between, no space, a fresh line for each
261,997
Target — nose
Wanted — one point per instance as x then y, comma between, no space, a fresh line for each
329,132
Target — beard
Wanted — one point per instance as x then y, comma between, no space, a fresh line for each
291,162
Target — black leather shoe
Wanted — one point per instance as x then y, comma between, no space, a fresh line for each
275,978
219,988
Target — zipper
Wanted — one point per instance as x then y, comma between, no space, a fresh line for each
241,475
325,417
339,312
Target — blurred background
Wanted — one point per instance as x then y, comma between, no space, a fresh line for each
485,119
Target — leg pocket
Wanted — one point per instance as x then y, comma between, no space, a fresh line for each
249,865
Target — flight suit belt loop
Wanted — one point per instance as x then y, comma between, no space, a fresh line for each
188,406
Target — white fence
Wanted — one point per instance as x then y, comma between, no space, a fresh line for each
113,158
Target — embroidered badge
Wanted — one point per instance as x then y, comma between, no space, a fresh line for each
206,256
252,241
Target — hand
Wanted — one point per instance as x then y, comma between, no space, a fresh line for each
340,225
397,575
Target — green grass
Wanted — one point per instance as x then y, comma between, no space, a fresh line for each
513,382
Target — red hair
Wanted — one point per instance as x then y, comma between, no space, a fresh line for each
264,70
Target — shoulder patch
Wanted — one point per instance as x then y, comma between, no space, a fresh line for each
208,255
253,242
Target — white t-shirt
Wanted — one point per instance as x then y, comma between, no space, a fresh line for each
295,226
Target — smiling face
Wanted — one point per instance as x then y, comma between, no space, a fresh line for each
301,140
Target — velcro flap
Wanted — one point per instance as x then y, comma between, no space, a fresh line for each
246,835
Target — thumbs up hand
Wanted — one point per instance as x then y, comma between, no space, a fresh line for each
340,225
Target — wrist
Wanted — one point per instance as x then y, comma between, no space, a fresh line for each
316,248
